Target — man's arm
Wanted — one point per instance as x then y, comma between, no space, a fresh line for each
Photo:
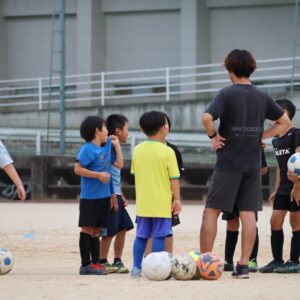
281,125
216,140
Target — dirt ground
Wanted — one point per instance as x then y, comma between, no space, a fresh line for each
44,240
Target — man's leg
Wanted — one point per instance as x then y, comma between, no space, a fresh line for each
208,229
248,235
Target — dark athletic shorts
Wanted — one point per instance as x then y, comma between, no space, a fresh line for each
94,212
231,189
117,220
227,216
283,202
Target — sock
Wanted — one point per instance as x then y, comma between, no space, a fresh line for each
103,261
158,244
277,238
95,249
85,248
117,259
139,247
230,244
253,255
295,247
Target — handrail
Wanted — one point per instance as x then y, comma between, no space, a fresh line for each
159,82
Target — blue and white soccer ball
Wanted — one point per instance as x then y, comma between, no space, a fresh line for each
294,163
6,261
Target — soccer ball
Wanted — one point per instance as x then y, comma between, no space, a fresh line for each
195,255
157,266
183,267
210,266
294,163
6,261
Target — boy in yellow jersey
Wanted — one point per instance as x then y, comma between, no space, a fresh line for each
155,168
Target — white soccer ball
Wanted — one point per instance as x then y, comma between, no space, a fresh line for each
6,261
184,267
157,266
294,163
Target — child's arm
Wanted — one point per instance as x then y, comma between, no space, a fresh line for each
176,204
13,175
119,163
295,193
81,171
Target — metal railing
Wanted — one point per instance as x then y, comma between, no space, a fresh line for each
165,83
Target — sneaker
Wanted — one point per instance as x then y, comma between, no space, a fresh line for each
121,269
228,267
136,272
110,268
288,267
269,268
92,269
252,265
241,271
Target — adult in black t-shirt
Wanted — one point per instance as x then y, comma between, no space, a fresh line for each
242,109
284,146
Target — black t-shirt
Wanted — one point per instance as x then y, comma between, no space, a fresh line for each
242,110
284,147
263,163
178,157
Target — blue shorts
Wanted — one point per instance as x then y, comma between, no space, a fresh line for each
117,220
153,227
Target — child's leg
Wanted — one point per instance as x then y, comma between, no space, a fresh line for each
253,256
158,244
85,245
231,239
169,244
139,247
95,246
148,247
119,244
104,249
295,242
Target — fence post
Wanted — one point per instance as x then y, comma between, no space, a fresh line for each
38,143
167,84
40,94
102,89
132,142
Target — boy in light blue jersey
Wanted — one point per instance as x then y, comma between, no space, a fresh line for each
119,220
93,164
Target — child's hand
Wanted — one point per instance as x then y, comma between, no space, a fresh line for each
114,202
125,201
292,177
114,140
176,207
272,197
104,177
21,192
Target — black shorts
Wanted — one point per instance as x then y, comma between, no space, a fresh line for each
228,216
233,189
94,212
283,202
117,220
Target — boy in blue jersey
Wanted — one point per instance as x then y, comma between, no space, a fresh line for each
93,164
119,221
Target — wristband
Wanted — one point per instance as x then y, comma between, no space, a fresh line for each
212,136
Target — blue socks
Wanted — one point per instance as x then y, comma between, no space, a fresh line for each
158,244
139,247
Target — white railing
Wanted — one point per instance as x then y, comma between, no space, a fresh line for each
165,83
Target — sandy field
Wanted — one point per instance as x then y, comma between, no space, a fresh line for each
44,240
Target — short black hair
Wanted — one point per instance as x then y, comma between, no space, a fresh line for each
287,105
240,62
115,121
89,125
152,121
168,120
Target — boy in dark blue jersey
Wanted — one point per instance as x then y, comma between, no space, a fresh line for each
93,164
284,198
119,221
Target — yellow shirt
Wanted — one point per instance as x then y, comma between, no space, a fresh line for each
153,165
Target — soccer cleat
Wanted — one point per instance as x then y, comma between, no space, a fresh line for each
110,268
269,268
228,267
241,271
252,265
136,272
92,269
288,267
121,268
